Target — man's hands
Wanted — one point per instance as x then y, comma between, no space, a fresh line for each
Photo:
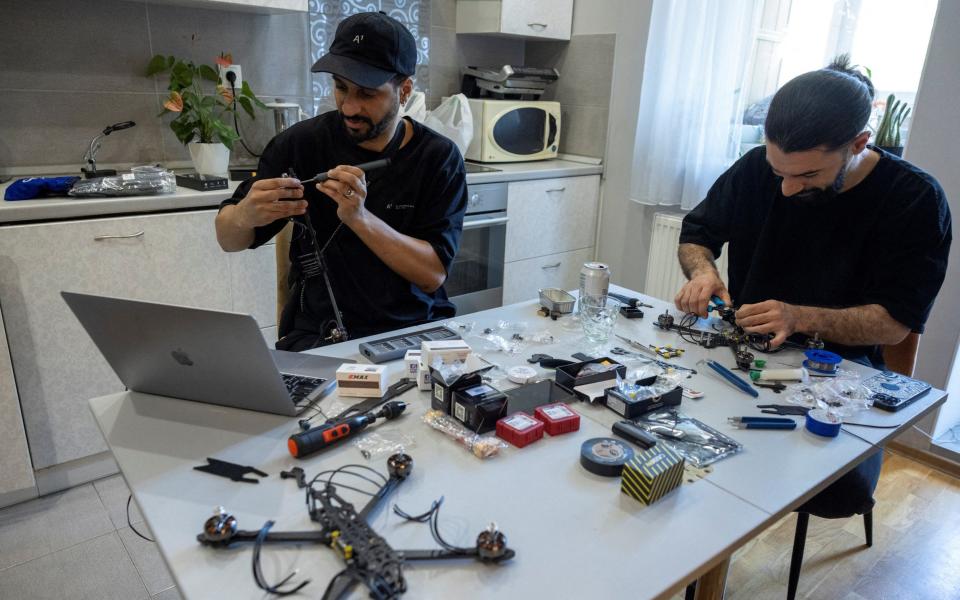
770,316
269,200
347,187
694,296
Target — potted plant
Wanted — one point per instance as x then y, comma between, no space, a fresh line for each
888,130
201,104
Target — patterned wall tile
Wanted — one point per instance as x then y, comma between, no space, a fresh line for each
326,14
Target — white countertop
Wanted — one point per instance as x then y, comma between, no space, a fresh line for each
56,209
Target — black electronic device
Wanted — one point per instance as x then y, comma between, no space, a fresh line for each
479,407
395,346
368,558
632,407
527,398
628,430
892,391
204,183
241,174
631,312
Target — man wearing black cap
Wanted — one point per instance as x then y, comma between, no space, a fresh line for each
387,237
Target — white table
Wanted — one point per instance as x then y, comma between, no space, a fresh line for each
575,534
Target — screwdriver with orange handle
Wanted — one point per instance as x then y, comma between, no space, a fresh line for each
324,436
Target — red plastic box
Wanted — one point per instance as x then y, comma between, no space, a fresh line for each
557,418
520,429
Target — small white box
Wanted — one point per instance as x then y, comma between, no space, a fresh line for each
446,350
412,361
424,381
361,381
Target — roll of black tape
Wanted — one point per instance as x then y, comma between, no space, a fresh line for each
605,456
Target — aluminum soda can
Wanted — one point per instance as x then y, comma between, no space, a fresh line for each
594,281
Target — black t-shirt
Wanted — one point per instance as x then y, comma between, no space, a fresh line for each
885,241
423,194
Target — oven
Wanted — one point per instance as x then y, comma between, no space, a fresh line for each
475,281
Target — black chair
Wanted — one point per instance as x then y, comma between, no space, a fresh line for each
800,539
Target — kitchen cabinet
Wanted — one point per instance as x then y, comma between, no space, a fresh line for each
522,278
551,232
171,258
551,215
533,19
16,477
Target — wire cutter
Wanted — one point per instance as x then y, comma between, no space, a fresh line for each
783,409
762,423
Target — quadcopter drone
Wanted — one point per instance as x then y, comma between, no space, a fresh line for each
369,559
733,336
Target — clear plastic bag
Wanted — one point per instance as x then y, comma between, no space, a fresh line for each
841,396
696,441
482,446
665,382
142,182
376,444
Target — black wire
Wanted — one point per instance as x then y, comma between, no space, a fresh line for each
872,426
130,525
236,126
421,518
258,574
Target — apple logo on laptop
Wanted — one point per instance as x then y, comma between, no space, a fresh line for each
181,357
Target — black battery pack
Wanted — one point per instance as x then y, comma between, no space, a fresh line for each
479,407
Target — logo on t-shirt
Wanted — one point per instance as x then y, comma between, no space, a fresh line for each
395,206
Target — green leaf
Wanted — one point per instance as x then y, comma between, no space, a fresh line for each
207,72
182,74
247,106
247,92
158,64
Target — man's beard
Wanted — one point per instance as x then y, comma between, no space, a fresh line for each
374,130
818,195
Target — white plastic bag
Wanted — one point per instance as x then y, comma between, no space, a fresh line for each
452,118
416,107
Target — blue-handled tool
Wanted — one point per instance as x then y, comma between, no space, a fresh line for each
762,423
727,374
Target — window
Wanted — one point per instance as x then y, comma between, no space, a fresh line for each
885,36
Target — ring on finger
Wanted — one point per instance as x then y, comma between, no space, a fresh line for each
348,193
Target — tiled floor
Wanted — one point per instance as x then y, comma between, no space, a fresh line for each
76,544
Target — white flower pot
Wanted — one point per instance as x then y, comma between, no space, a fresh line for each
210,159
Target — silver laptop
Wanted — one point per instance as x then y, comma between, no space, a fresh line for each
202,355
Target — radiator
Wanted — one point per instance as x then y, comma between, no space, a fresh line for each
664,277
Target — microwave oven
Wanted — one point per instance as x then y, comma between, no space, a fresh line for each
513,130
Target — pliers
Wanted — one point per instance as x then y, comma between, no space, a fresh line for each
784,409
762,423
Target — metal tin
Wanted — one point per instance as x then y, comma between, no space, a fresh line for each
594,280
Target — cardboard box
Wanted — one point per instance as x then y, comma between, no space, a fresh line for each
442,396
652,474
411,361
520,429
361,381
479,407
570,377
631,408
446,350
424,381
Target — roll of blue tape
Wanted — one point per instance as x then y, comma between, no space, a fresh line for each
822,423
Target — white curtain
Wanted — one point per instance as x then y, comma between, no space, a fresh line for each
688,130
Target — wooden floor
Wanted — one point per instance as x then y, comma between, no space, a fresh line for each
915,553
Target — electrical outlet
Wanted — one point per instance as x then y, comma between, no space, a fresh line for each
235,69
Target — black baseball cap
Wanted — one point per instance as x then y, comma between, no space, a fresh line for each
369,49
